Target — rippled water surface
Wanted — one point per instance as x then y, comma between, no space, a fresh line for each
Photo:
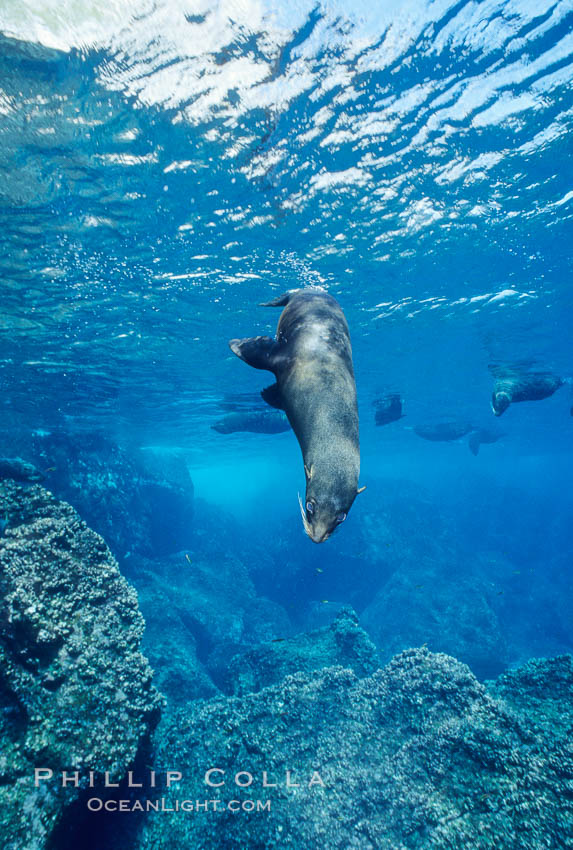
164,167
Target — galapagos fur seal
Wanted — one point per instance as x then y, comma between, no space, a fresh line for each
388,409
19,470
443,432
311,359
512,386
257,422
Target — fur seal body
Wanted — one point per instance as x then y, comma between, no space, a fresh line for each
443,432
311,359
19,470
258,422
388,409
511,386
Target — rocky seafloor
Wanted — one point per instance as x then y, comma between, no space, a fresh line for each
413,751
76,692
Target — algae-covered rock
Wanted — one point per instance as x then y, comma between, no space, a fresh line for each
139,500
171,645
75,690
418,755
543,689
199,613
342,643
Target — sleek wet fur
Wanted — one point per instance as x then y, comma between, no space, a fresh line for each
522,387
311,359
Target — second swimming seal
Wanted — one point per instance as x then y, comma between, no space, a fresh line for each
514,384
311,359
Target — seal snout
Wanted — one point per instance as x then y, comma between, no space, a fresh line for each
318,536
321,520
500,401
314,528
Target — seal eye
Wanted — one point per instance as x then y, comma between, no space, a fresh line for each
310,508
341,517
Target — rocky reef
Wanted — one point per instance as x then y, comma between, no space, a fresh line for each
138,500
422,605
75,690
403,567
199,613
485,579
342,643
418,755
269,674
205,637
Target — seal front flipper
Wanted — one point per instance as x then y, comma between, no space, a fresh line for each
257,351
280,301
284,299
272,395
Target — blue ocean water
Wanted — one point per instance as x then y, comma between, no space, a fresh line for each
165,167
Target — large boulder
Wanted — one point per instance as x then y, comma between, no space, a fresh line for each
75,690
342,643
417,756
199,613
171,640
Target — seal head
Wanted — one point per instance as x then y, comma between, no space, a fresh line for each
328,499
500,401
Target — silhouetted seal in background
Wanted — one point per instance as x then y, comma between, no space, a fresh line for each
311,359
443,432
255,421
513,385
482,435
19,470
241,402
388,409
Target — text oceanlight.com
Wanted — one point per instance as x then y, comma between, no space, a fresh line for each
96,804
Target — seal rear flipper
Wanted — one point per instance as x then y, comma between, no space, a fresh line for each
474,443
272,395
257,351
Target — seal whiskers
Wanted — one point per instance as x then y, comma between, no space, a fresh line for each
303,515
